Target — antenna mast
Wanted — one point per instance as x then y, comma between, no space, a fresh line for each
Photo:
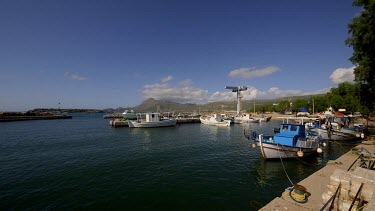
238,90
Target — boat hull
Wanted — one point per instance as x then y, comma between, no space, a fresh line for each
163,123
342,135
225,123
250,121
274,150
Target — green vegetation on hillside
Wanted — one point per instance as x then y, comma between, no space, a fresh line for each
362,31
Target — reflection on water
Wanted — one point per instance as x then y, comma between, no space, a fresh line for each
146,141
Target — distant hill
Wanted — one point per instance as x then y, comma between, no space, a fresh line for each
152,105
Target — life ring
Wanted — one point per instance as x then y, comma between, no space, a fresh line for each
254,135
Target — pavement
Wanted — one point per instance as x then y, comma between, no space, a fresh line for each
316,184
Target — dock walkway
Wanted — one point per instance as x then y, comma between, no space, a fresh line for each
317,183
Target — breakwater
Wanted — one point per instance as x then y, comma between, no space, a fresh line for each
25,118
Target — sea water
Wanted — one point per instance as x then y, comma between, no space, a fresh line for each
83,163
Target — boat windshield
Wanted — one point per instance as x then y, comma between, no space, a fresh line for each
293,128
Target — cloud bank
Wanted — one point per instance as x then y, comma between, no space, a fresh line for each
342,75
248,72
185,92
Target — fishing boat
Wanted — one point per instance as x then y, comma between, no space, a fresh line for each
152,120
290,141
246,118
264,118
338,128
216,120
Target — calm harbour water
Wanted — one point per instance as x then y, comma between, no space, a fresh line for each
83,163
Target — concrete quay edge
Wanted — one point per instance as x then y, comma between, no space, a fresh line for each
316,184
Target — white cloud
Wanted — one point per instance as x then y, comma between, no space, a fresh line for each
182,94
248,72
166,79
342,75
190,94
75,76
253,93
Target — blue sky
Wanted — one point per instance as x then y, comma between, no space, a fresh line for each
101,54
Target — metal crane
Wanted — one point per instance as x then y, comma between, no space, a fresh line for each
237,89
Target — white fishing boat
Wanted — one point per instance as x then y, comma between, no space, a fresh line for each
152,120
246,118
215,119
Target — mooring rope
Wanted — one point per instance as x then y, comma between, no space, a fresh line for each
278,149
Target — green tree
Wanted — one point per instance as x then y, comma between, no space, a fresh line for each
349,94
299,103
334,100
362,30
283,106
320,103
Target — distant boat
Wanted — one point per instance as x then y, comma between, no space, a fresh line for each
152,120
246,118
264,118
215,119
292,141
129,114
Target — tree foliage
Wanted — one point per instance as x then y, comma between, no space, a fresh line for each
319,102
362,30
299,103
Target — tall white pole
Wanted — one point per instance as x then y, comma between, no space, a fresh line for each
313,106
238,103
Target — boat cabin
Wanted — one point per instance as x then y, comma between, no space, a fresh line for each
217,117
246,117
290,134
152,117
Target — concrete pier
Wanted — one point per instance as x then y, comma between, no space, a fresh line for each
119,123
114,115
188,120
319,184
124,123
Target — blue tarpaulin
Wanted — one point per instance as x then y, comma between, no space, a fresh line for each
303,110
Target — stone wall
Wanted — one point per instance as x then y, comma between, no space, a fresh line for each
350,183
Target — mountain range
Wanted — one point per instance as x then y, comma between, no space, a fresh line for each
153,105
